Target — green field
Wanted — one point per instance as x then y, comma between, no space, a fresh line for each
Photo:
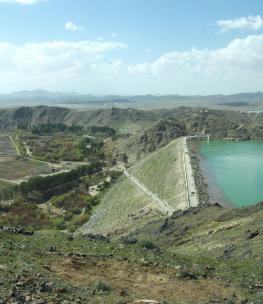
3,185
13,168
162,172
6,146
122,208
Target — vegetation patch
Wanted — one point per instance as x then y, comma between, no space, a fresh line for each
122,207
14,167
99,288
48,264
162,172
6,146
4,185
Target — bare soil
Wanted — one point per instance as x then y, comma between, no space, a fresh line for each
133,281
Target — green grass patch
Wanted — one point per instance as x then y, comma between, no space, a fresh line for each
162,172
121,209
4,185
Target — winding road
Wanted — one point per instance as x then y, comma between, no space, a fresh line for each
15,145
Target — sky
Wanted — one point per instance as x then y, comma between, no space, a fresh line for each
128,47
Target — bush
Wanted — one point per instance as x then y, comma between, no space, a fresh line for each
115,174
77,211
149,245
68,216
70,237
128,240
82,220
61,225
26,215
92,201
100,288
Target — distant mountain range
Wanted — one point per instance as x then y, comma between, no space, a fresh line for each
37,97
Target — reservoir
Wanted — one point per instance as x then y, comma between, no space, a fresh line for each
233,171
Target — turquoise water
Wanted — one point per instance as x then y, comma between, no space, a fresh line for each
236,168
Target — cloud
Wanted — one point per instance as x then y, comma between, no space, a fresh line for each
251,23
22,2
92,66
237,67
58,64
71,26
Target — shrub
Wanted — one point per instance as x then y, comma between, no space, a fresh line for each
149,245
68,216
100,288
61,225
128,240
81,220
70,237
92,201
115,174
77,211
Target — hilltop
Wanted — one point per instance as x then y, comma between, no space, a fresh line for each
34,116
128,119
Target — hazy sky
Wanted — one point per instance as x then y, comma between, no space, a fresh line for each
132,46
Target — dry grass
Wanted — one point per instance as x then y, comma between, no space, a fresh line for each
13,168
6,146
137,281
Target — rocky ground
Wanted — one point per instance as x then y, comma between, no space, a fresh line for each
201,185
202,255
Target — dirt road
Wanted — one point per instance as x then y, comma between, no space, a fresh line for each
189,176
15,145
163,206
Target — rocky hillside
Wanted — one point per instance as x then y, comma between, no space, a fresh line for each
158,135
142,131
203,256
221,233
115,117
195,118
147,130
190,121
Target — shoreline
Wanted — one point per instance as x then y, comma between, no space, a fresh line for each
201,185
215,193
209,193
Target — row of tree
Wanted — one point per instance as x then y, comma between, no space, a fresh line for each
42,188
45,129
102,130
48,128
